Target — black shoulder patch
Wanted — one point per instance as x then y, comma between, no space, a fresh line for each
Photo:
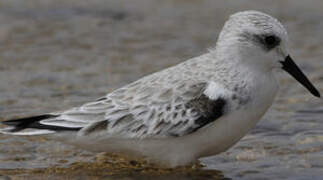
208,110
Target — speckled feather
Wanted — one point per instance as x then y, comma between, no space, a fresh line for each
158,105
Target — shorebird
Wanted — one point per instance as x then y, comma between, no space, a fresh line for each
198,108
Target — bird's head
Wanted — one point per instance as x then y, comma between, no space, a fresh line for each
261,42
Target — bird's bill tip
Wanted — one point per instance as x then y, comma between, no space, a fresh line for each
290,66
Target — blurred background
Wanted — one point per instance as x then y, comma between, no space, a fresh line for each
56,54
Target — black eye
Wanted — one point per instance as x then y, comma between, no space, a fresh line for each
271,41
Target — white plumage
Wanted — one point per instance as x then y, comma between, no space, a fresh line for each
198,108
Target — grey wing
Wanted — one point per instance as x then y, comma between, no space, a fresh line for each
166,103
140,110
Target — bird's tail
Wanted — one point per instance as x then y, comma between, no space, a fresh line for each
35,125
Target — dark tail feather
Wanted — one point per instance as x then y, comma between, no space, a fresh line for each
33,122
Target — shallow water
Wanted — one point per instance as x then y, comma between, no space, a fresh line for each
57,54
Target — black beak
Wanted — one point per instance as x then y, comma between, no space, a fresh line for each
290,67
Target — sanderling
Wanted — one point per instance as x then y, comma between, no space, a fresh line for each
198,108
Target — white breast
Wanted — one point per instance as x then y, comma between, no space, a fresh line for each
227,130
